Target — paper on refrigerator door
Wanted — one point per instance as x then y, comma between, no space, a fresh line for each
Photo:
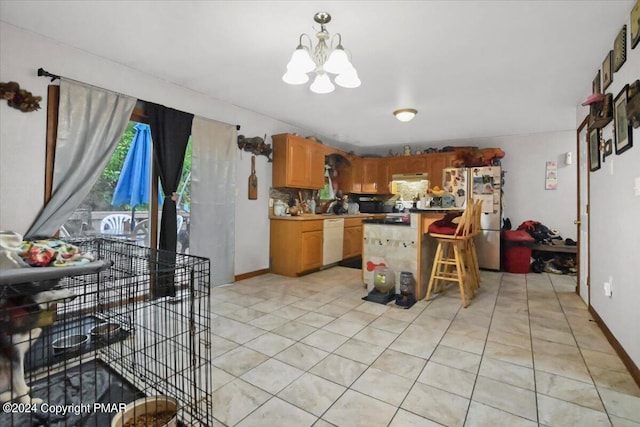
487,202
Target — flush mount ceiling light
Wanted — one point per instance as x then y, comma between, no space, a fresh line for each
405,114
324,59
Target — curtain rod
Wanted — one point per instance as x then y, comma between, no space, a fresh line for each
44,73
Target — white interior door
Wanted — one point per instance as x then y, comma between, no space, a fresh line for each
583,213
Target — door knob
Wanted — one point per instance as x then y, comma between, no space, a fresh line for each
577,222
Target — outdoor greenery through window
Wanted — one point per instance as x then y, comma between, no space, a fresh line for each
130,219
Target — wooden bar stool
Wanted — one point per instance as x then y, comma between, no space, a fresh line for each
451,259
472,256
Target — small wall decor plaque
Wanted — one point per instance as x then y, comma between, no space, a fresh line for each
595,85
635,24
551,176
620,49
607,70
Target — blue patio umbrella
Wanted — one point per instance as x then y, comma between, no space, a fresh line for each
134,181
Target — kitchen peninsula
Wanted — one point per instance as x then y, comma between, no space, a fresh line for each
402,247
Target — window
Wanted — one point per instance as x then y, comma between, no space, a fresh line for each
134,218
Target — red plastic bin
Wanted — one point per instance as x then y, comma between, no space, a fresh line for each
517,251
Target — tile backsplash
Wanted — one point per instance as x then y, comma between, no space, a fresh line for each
408,190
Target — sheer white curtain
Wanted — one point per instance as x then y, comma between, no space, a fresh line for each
91,122
213,190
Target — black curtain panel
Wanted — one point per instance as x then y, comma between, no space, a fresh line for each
170,131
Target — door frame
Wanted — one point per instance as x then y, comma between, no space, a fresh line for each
577,222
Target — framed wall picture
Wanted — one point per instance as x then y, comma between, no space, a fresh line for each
607,70
623,132
595,85
635,24
620,49
594,149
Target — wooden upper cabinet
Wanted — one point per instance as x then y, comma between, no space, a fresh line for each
370,175
315,171
416,164
355,179
437,162
297,162
384,178
431,163
396,165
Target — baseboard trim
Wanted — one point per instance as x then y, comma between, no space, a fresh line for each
631,367
250,274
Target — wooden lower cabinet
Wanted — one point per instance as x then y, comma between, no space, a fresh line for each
295,246
352,244
310,250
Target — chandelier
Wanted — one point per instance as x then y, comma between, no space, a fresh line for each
324,59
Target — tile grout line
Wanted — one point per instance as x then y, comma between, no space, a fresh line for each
581,355
533,359
425,365
486,339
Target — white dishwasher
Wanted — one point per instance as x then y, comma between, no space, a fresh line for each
333,236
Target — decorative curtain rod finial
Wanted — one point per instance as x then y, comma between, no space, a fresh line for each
42,72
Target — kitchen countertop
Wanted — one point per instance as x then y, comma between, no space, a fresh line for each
436,210
317,217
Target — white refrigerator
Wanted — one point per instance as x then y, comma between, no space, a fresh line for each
480,183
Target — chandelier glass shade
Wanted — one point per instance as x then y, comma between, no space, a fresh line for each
324,60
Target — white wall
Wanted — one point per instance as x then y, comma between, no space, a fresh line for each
525,197
22,135
614,219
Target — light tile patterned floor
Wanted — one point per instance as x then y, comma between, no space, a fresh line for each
309,351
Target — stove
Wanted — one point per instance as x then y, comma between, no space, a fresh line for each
398,218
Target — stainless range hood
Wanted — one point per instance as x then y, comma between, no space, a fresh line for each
421,176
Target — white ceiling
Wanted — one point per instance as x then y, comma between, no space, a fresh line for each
471,68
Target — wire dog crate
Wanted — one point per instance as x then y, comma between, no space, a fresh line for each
133,324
